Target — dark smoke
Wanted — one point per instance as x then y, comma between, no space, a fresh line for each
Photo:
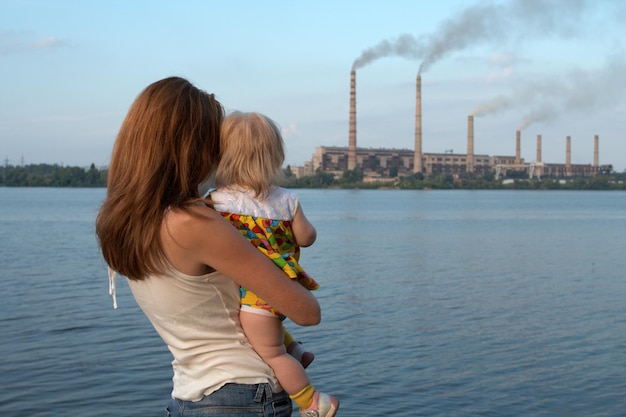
484,23
473,25
405,46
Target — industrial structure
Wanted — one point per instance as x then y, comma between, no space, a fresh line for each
381,163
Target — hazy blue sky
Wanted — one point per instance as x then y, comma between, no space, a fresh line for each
70,69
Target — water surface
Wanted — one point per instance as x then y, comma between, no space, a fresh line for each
435,303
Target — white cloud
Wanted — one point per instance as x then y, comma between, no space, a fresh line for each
290,130
501,74
505,61
12,41
502,59
48,42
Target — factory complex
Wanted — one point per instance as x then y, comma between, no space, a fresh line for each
387,164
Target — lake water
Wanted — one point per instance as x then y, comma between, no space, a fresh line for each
435,303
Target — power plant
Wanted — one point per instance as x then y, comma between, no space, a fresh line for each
380,164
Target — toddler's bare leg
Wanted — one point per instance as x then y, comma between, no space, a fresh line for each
265,334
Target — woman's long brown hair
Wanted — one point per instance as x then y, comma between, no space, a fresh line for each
166,146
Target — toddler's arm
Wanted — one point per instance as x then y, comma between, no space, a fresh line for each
303,231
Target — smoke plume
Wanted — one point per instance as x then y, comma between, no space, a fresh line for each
497,104
404,46
485,23
576,91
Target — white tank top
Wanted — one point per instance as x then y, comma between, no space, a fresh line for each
198,318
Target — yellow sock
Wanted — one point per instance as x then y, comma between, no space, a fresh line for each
288,338
304,398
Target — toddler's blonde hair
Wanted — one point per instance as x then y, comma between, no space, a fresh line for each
252,153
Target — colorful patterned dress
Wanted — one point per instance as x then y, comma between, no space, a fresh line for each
267,225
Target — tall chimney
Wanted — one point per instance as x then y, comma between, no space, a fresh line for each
417,157
352,132
538,164
470,144
538,149
518,146
596,150
568,157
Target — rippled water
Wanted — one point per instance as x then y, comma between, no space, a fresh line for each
435,303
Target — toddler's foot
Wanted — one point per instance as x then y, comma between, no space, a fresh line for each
303,356
323,406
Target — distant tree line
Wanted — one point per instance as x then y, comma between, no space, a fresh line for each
47,175
439,181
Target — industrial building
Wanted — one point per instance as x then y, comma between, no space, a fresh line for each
381,163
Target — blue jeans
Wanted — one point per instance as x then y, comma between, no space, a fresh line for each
234,400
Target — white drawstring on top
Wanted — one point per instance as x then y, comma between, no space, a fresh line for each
112,275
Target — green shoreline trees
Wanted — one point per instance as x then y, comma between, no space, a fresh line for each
54,175
46,175
441,181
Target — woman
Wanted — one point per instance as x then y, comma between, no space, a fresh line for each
184,262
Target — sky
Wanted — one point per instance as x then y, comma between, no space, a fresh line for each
70,69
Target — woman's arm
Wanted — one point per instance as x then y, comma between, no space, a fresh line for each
303,231
205,238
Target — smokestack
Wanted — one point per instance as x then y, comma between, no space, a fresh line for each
596,148
568,157
417,157
352,132
518,146
538,164
470,144
538,149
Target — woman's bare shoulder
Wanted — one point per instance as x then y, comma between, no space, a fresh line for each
184,234
193,216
